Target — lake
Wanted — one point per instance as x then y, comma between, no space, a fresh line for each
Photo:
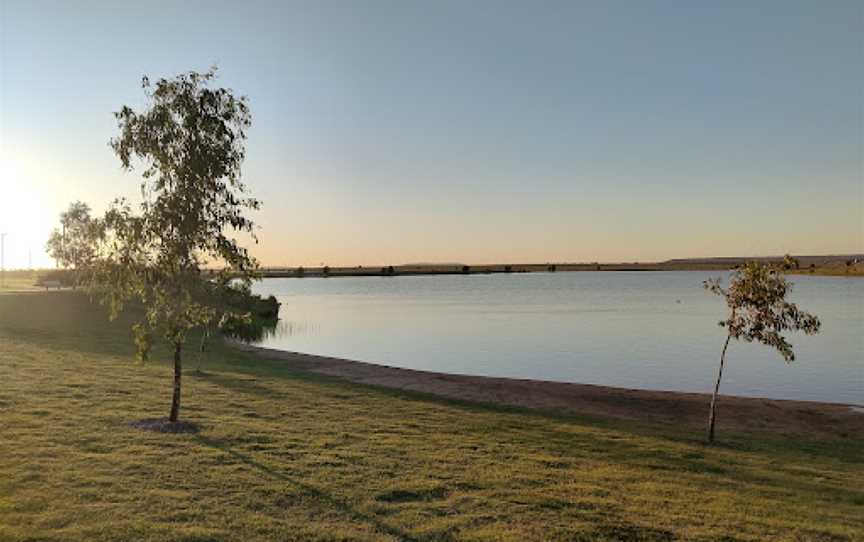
649,330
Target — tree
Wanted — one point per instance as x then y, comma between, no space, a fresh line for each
74,244
758,311
190,143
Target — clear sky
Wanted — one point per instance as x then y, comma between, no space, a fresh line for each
403,131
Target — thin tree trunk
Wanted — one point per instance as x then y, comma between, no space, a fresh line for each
712,413
178,371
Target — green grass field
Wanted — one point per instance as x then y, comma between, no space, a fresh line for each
288,456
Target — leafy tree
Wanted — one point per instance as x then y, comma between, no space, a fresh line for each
758,311
190,143
74,244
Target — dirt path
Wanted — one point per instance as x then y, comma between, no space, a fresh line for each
819,420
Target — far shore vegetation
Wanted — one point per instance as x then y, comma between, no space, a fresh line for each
823,266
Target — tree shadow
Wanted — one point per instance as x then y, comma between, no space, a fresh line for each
233,383
327,498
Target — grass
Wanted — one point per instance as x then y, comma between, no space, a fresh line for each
290,456
19,281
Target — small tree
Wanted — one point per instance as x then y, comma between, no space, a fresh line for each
758,311
190,140
74,244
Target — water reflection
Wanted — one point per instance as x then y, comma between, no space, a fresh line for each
262,331
255,331
640,330
286,329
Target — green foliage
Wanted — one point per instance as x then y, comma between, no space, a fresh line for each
74,244
143,339
189,142
758,309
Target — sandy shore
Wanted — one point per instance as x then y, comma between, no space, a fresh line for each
820,420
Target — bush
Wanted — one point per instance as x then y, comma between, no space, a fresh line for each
262,317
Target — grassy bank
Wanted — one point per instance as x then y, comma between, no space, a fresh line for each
292,456
19,281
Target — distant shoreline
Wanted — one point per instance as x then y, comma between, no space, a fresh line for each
834,265
684,409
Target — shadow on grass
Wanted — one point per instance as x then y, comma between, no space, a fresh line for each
774,457
765,444
233,383
610,527
328,499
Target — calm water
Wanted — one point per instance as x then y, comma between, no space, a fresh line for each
654,330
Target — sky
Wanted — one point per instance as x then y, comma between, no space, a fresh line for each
388,132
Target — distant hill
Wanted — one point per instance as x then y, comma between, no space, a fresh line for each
735,260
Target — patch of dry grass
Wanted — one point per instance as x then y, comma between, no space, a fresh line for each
19,281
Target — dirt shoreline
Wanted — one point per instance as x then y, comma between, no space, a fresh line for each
804,418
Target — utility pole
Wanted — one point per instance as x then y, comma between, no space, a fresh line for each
2,260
